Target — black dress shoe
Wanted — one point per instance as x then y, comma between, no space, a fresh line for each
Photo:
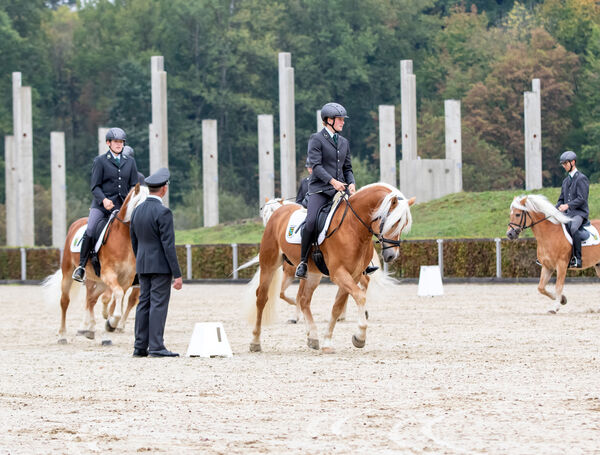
162,353
301,271
79,274
370,269
140,352
575,263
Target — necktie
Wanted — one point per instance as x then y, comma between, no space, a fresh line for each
335,138
118,160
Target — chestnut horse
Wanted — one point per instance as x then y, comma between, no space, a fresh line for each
377,210
553,249
117,272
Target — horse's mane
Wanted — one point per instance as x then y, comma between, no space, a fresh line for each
133,200
400,214
540,203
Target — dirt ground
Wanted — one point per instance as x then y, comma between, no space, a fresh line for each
482,369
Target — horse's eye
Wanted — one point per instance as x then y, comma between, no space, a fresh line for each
517,214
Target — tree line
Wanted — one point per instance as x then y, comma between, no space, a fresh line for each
88,64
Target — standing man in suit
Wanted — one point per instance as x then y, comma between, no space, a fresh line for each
153,242
573,201
302,196
113,175
329,155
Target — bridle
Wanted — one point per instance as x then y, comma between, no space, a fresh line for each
520,227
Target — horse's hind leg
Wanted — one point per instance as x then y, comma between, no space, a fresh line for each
65,285
347,284
341,300
88,328
288,278
560,299
132,301
262,299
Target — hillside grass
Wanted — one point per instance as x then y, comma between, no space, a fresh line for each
460,215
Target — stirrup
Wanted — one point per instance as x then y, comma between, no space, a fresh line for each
79,274
301,276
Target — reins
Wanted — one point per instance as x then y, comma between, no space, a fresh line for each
523,225
114,216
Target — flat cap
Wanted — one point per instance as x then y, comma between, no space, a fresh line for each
159,178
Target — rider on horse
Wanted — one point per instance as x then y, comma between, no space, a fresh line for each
329,155
113,176
573,201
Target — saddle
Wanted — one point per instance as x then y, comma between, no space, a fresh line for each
587,232
97,241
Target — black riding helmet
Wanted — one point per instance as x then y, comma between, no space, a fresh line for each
332,110
116,134
568,156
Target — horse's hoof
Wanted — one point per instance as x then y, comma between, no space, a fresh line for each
62,341
292,321
358,343
312,343
107,343
366,314
89,334
551,311
119,330
108,327
255,347
328,350
563,300
341,319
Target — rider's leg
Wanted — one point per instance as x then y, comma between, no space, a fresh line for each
87,243
315,202
574,226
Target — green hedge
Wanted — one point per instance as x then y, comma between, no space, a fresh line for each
462,259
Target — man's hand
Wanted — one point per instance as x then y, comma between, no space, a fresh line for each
177,283
108,204
352,189
339,186
563,207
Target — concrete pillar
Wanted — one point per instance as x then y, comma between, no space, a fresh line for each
387,144
17,135
59,188
102,147
159,145
319,121
408,93
25,171
533,137
210,173
11,191
287,134
266,166
454,140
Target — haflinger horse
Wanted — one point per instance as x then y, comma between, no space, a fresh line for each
378,210
117,272
553,249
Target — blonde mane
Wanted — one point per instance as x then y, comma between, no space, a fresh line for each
540,204
134,201
400,215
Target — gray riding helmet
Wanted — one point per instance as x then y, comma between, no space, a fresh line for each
568,156
116,134
332,110
128,152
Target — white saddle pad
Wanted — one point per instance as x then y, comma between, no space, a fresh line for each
76,242
593,239
292,233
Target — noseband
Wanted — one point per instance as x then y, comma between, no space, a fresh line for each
520,227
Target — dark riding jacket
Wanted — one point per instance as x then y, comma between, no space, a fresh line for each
112,181
574,192
302,191
328,161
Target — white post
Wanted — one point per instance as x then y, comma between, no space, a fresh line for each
287,135
454,139
16,153
533,138
25,171
23,263
234,260
440,243
408,95
159,144
59,188
102,147
498,258
11,191
210,173
266,165
188,260
387,144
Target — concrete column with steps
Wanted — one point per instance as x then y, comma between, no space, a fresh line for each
387,144
159,145
287,134
533,137
408,94
454,140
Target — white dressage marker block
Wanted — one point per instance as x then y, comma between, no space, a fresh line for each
430,281
209,340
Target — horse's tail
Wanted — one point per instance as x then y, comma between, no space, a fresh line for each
380,280
250,263
270,310
52,288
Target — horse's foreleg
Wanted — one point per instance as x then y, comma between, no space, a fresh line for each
347,284
560,299
545,276
304,297
262,297
133,300
286,282
88,327
341,299
106,298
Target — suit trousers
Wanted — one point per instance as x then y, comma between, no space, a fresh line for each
151,312
315,202
95,216
574,226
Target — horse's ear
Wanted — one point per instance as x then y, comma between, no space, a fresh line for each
266,199
412,200
523,201
136,189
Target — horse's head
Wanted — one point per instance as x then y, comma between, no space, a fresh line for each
518,217
527,211
394,218
136,196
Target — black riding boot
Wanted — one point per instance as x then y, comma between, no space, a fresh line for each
86,248
576,259
302,268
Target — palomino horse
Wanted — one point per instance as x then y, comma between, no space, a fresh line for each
553,249
117,271
376,210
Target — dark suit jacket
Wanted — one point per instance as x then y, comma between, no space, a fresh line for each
575,192
302,191
111,181
328,160
153,238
